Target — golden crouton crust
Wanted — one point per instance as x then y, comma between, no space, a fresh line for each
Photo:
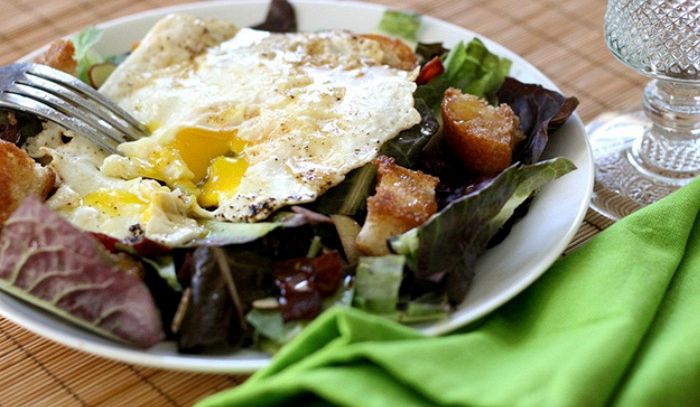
396,53
59,56
20,177
482,136
403,200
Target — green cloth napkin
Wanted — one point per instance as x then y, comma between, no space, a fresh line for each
617,322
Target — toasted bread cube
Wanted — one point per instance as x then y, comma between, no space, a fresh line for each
59,55
396,53
20,177
482,136
403,200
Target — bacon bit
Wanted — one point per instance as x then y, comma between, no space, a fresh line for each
135,45
430,70
59,56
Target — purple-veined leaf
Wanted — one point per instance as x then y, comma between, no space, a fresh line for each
46,261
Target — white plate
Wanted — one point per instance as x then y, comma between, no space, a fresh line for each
504,271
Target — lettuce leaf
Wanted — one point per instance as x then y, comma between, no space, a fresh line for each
406,148
210,317
348,197
46,261
400,24
467,224
281,18
471,68
377,282
429,50
85,55
541,112
226,233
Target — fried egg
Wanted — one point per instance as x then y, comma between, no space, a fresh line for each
242,123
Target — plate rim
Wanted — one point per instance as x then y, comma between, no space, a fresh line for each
207,363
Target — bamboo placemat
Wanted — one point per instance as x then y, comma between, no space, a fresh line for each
562,38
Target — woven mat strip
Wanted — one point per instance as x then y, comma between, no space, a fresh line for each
561,38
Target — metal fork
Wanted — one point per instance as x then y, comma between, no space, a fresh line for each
64,99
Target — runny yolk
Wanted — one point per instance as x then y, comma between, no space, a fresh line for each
223,177
115,202
198,147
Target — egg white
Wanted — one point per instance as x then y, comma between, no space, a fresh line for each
243,123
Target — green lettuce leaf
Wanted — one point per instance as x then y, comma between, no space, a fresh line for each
348,197
85,55
400,24
471,68
165,267
270,325
226,233
406,148
467,224
377,282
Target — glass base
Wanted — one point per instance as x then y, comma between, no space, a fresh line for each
624,180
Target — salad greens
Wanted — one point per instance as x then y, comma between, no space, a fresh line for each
471,68
85,55
348,197
467,225
406,148
400,24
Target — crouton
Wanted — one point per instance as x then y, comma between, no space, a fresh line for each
20,177
482,136
59,55
396,53
403,200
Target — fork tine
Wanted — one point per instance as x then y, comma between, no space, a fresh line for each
77,99
78,86
23,103
64,107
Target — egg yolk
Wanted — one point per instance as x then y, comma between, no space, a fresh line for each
117,202
223,177
198,147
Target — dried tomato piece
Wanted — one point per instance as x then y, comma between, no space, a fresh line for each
430,70
303,283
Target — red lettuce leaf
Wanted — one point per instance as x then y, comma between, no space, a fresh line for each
46,261
210,314
222,289
541,112
281,18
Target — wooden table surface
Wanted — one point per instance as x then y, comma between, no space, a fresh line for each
562,38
